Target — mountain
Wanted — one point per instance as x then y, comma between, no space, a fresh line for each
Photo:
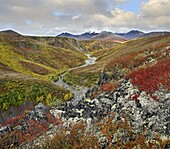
84,36
67,35
10,32
152,34
134,34
108,36
131,34
87,35
121,77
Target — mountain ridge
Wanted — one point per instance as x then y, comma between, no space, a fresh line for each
132,34
104,35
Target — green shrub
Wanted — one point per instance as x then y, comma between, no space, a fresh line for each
15,92
81,79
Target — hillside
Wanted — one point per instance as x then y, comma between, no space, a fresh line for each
125,57
98,47
27,65
39,56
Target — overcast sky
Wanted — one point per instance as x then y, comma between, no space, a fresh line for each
51,17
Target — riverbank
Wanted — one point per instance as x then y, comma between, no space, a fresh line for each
77,90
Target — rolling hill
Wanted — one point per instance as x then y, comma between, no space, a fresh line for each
27,65
37,59
39,55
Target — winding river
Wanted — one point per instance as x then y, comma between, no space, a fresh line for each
78,91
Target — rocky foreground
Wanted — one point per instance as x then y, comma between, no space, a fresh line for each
141,111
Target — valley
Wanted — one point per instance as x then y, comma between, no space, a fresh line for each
78,91
110,90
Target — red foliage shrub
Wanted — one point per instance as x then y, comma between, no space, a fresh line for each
151,78
14,121
107,87
124,61
19,134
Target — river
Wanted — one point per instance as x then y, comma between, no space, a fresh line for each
78,91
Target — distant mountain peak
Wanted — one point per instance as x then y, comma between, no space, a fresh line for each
65,33
135,31
134,34
12,32
131,34
106,35
106,32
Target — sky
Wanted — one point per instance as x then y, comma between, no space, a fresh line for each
51,17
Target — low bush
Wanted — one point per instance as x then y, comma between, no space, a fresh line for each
22,131
108,87
151,78
75,136
80,79
15,92
117,135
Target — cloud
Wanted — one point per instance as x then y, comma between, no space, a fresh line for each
76,16
156,13
118,18
155,8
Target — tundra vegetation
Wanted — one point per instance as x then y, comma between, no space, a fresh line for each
28,65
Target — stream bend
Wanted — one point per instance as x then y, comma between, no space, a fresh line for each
78,91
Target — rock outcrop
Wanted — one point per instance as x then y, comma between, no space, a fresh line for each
142,109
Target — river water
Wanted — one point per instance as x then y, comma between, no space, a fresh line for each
78,91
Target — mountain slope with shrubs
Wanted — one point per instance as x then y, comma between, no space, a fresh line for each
27,65
39,56
126,57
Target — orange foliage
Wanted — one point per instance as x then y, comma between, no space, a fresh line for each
107,87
